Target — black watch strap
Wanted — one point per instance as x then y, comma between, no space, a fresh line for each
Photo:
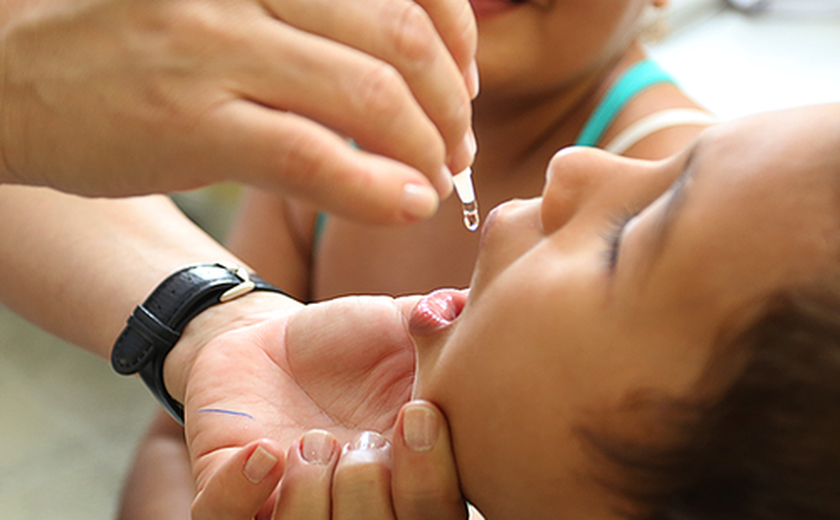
155,326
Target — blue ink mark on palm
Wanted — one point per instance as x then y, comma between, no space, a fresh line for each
228,412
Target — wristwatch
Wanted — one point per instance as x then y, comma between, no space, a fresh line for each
155,326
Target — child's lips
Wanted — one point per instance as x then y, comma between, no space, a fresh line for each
436,311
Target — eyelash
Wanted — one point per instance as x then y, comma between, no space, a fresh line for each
613,235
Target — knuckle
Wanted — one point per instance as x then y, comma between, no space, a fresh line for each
301,160
415,35
381,92
185,27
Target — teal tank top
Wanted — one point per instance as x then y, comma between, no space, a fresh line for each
630,84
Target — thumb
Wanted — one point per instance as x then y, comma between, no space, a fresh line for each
241,486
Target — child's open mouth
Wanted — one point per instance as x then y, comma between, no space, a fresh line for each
436,311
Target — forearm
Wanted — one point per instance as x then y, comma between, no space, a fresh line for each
77,267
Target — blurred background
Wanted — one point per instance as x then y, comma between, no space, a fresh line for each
68,425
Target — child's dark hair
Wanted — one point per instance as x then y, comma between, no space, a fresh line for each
768,447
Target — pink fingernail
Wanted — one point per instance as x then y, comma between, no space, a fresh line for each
259,464
420,428
317,447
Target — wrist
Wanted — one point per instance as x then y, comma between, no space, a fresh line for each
248,310
158,324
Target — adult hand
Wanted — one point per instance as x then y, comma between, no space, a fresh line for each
121,97
345,366
322,482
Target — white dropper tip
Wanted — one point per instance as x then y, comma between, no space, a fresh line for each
466,192
464,186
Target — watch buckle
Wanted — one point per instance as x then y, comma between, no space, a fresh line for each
238,290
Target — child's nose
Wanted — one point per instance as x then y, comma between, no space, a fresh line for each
580,178
575,175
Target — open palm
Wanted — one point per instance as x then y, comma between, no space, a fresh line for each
346,366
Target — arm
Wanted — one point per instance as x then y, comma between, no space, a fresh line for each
77,267
121,97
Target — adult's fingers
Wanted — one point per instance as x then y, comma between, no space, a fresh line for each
361,482
410,61
425,483
455,22
305,490
281,150
241,486
351,92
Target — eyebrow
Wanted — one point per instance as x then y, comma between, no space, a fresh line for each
679,195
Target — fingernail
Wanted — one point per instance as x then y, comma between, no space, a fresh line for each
420,428
317,447
369,441
419,201
473,82
471,143
445,186
259,464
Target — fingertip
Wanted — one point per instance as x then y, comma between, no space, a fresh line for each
425,476
260,463
419,202
241,486
377,190
317,447
443,184
305,490
362,479
419,426
473,80
369,452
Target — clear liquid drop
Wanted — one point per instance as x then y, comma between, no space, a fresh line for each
471,218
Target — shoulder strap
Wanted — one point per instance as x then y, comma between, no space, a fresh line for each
656,122
634,81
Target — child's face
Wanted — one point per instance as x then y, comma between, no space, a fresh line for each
564,324
536,46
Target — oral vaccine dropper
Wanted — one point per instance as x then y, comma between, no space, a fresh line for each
466,192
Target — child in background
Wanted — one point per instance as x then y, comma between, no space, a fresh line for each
553,74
